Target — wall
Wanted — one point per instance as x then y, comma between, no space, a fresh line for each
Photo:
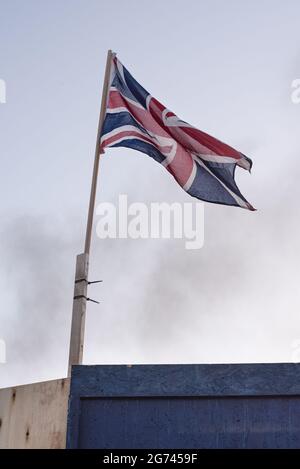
185,406
34,415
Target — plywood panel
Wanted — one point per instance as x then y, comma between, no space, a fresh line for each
34,415
185,406
189,422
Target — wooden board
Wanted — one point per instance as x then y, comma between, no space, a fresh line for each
79,310
34,415
185,406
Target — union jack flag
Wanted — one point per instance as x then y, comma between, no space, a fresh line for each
202,165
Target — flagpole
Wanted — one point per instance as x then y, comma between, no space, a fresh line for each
82,260
97,155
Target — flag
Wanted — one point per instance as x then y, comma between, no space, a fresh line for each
202,165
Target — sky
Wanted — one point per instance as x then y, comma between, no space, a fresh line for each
224,67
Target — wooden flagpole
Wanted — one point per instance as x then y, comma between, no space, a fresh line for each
97,154
82,260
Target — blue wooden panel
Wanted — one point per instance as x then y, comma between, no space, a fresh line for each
189,423
185,406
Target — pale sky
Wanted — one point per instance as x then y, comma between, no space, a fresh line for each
224,66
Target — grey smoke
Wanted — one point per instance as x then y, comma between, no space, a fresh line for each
236,299
37,266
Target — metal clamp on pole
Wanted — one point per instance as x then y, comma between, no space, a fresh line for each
78,297
89,283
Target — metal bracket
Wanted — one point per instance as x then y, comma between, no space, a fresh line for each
85,280
81,280
77,297
88,283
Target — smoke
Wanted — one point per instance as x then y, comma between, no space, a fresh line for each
37,268
234,300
